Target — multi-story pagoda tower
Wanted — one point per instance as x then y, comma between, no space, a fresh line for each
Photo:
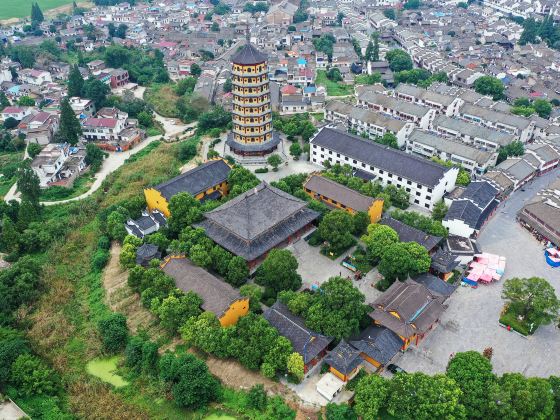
252,133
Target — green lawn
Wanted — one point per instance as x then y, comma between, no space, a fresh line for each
333,88
510,318
81,185
22,8
104,369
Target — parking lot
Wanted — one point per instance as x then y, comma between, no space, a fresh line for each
471,321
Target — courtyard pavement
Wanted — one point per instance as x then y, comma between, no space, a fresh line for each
471,321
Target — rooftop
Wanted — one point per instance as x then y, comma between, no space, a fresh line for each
196,180
216,294
248,55
399,163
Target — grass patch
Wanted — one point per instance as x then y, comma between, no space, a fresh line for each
359,260
22,8
81,185
9,163
163,99
333,88
319,116
104,369
509,317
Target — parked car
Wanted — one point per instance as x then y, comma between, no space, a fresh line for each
394,369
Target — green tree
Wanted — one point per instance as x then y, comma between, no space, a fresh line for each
121,31
338,309
33,149
237,271
174,310
388,139
12,345
375,51
278,272
439,211
333,74
399,60
404,259
36,13
191,384
515,148
390,14
257,398
371,396
196,70
10,236
4,101
115,225
423,397
491,86
295,150
472,372
185,210
254,293
378,239
295,366
518,397
95,90
200,256
336,228
69,129
26,101
94,156
10,123
534,299
28,184
542,107
411,4
340,412
32,377
75,81
220,259
113,331
274,160
277,408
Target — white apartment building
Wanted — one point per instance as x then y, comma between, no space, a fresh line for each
424,180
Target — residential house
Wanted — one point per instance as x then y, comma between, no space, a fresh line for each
16,112
475,161
217,296
472,134
34,77
146,253
149,222
420,115
281,13
541,215
519,126
205,182
471,209
102,129
443,104
424,180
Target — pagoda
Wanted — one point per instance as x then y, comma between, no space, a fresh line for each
252,133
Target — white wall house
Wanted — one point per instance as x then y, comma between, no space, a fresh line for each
424,180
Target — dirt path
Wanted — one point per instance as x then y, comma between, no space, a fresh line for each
121,298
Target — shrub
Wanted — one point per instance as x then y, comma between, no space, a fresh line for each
100,259
261,170
114,332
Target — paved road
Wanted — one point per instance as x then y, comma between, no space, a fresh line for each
471,321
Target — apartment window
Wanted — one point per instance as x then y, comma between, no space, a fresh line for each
354,161
381,171
399,178
418,193
363,165
338,155
389,182
428,197
416,202
409,182
429,190
427,206
408,190
346,158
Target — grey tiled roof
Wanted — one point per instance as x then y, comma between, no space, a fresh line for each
338,192
256,221
481,193
399,163
435,284
247,55
410,234
395,104
344,358
450,147
216,294
306,342
379,343
196,180
473,130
